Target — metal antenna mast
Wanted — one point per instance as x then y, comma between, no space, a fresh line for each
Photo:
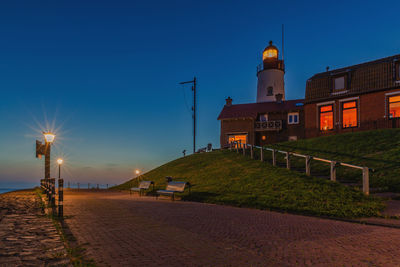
194,111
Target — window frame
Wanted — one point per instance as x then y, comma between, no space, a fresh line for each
342,109
397,69
293,115
268,91
333,116
344,76
388,106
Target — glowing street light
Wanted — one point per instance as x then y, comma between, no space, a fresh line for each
59,161
137,172
49,137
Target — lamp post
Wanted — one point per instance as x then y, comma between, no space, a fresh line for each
59,161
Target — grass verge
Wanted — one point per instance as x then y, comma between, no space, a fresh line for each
224,177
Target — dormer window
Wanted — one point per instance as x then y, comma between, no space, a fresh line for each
339,83
263,117
270,91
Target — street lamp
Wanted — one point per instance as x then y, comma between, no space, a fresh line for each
137,172
59,161
49,137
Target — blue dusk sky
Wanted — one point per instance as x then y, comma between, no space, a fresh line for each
104,74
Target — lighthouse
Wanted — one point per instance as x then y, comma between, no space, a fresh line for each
270,74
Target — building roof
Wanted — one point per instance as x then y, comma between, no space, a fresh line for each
362,78
253,109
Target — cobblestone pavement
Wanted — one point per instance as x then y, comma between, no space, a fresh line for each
122,230
27,238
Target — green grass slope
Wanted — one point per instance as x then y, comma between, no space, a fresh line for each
224,177
378,149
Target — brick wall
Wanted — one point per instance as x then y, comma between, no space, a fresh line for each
372,114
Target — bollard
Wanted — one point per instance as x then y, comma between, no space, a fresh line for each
274,157
261,154
60,198
333,171
365,180
251,152
308,165
288,160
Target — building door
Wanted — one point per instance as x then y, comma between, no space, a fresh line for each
241,138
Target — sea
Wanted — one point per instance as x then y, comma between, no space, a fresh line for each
12,186
5,190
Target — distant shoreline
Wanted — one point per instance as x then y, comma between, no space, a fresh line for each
7,190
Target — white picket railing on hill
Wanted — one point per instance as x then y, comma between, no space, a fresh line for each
333,164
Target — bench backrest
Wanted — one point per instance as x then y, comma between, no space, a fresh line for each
176,186
145,184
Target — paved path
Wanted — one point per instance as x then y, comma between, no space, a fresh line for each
27,237
121,230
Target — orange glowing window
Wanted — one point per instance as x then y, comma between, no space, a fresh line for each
349,114
241,138
326,118
394,106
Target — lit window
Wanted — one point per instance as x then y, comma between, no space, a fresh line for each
263,137
349,114
241,138
293,118
263,117
394,106
270,90
326,118
338,83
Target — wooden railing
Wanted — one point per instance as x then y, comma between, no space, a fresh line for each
307,158
268,125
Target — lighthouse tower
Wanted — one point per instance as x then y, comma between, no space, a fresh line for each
271,84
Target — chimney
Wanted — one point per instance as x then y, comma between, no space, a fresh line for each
278,98
228,101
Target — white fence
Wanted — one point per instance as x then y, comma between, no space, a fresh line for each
307,158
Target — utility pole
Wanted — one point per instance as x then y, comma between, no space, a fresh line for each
194,111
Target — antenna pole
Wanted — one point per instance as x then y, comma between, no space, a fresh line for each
283,29
194,82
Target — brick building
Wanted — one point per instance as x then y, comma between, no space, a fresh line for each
272,119
359,97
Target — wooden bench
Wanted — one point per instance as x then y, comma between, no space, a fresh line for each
143,185
172,188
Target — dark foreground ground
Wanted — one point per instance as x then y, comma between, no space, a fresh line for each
27,236
122,230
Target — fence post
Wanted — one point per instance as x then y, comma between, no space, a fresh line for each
97,186
366,180
68,186
288,160
251,152
333,171
230,146
237,147
60,197
78,186
88,185
107,186
244,149
274,157
308,165
262,153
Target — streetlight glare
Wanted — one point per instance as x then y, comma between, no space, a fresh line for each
49,137
137,171
60,161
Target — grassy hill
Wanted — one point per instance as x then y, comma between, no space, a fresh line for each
378,149
224,177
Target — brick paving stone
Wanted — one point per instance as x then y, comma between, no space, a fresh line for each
27,237
122,230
